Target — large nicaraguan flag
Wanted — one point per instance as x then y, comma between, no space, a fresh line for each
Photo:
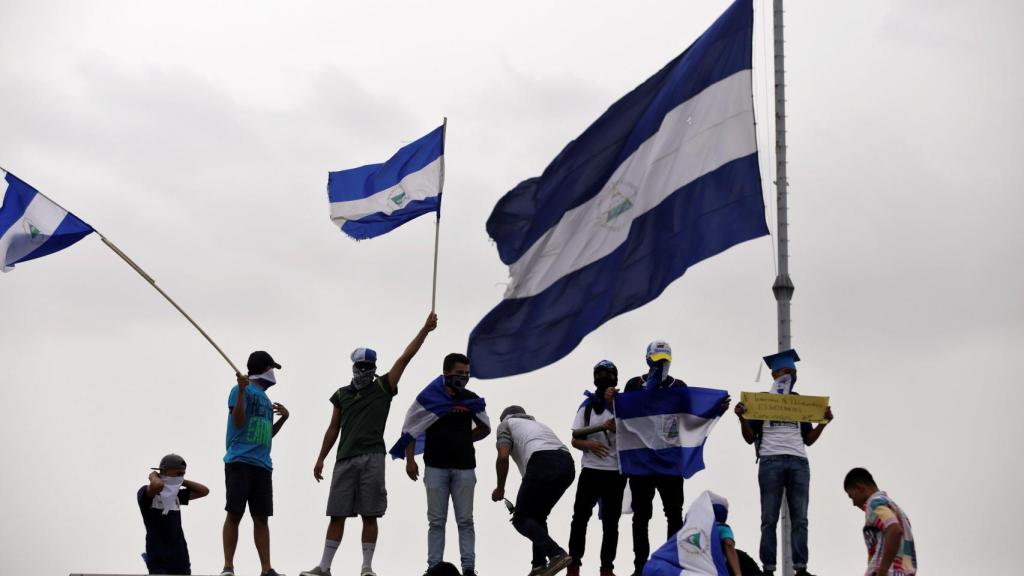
430,405
377,198
663,431
31,225
666,177
695,549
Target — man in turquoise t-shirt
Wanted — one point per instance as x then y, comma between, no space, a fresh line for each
247,464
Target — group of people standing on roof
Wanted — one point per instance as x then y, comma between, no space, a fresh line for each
444,422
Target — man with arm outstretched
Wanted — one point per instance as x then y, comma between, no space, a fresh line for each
360,411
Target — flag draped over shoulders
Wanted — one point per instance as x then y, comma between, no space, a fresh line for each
431,404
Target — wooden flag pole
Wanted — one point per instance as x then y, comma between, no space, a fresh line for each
437,222
152,283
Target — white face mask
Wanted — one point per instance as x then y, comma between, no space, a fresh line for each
169,495
172,481
782,385
267,376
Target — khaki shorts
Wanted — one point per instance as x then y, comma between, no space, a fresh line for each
357,487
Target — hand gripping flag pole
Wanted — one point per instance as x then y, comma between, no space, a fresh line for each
55,217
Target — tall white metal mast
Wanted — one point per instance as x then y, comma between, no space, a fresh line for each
783,286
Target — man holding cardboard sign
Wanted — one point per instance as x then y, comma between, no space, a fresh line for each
780,439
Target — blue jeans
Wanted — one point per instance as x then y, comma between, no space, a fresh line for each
791,474
442,484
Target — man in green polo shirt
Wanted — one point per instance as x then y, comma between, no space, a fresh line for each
359,415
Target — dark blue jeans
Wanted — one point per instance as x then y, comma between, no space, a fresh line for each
548,474
791,474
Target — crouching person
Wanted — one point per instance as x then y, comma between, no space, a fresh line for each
548,470
160,502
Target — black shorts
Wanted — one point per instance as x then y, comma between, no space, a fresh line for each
250,484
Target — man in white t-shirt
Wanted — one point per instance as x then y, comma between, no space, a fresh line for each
593,432
783,467
548,470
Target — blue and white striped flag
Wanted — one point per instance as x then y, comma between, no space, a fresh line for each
695,549
430,405
667,177
31,225
663,431
377,198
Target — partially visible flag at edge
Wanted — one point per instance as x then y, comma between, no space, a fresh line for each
32,225
663,431
377,198
695,549
665,178
430,405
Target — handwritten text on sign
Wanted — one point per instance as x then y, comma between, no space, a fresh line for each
784,407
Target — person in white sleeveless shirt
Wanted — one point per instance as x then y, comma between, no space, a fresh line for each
784,468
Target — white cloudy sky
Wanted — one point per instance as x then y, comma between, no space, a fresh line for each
198,136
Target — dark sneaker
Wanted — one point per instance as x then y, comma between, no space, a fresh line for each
537,571
468,572
227,571
557,564
271,572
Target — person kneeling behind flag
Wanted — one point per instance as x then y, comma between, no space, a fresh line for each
547,470
160,503
703,546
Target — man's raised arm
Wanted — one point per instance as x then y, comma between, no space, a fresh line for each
395,374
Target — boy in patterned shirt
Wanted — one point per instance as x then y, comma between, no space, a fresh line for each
887,531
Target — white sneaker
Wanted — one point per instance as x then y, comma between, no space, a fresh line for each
367,572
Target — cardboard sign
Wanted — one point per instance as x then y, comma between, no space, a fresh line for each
784,407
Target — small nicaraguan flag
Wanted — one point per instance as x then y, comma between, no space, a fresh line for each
663,431
666,177
377,198
430,405
31,225
695,549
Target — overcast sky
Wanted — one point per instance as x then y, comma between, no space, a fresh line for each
198,136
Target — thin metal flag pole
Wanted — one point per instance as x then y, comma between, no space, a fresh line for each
437,222
152,283
783,287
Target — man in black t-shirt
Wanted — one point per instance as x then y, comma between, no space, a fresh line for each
160,502
450,465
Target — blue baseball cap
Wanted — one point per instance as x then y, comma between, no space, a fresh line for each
659,350
364,355
782,360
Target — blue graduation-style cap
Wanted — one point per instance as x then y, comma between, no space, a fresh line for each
784,359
